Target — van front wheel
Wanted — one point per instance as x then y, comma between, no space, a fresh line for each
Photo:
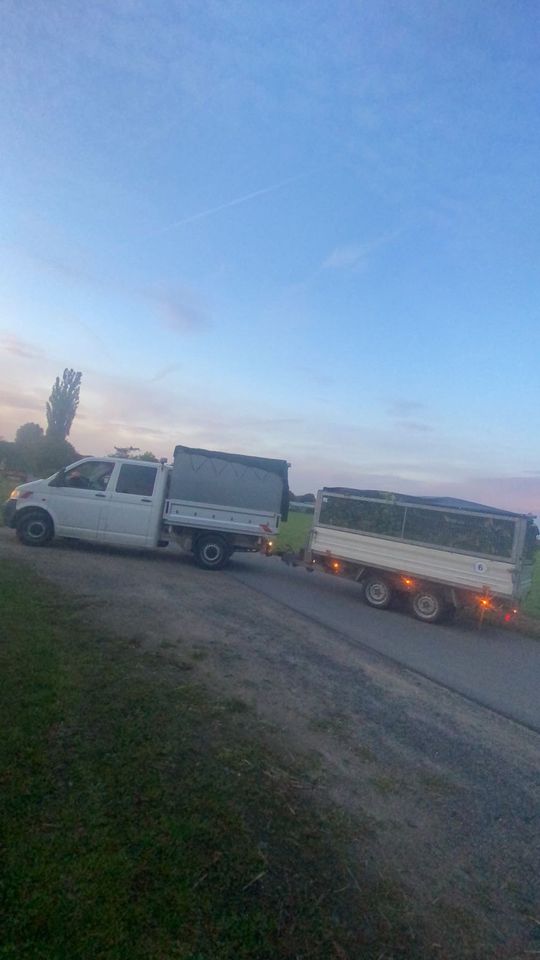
211,552
35,528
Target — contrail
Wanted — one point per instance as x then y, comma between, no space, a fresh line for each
223,206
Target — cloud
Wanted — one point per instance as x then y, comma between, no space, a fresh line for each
178,309
317,377
69,271
518,493
20,348
19,400
343,257
404,408
165,371
356,255
415,426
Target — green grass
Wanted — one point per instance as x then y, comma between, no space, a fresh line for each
531,607
140,819
6,486
293,533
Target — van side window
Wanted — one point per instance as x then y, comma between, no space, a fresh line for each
136,479
92,475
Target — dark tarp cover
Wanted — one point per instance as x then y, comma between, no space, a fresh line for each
450,503
278,467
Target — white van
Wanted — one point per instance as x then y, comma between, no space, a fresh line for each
211,503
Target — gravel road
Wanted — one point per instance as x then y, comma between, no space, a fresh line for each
442,793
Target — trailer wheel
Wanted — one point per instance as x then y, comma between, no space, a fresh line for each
428,605
35,528
211,552
377,592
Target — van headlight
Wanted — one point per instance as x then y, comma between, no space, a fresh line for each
18,494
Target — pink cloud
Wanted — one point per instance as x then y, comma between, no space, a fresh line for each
18,347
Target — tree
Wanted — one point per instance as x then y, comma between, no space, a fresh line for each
29,433
62,404
133,453
41,458
28,448
124,452
52,454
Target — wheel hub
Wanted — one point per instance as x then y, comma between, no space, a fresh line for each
36,529
211,553
427,605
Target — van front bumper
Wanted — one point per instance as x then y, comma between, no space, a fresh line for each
9,512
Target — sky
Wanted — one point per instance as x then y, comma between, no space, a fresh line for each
301,230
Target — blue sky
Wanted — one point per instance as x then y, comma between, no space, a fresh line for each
299,229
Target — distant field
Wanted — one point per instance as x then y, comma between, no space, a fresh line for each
532,604
293,533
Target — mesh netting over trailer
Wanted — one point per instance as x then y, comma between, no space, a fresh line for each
442,522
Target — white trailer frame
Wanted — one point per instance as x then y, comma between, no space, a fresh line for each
458,576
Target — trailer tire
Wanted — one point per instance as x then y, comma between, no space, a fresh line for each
211,552
378,592
35,528
428,605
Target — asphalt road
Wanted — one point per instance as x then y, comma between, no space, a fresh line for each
493,667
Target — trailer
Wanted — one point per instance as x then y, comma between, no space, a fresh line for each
441,553
208,502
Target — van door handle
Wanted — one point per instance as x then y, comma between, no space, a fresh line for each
100,494
146,500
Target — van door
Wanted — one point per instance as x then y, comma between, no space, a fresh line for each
128,511
75,498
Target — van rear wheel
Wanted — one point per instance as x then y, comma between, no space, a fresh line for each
211,552
35,528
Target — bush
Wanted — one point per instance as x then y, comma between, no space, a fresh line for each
38,458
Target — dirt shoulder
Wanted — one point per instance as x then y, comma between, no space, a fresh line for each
440,796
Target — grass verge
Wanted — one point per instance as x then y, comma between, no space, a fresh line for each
6,486
293,533
531,607
140,820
